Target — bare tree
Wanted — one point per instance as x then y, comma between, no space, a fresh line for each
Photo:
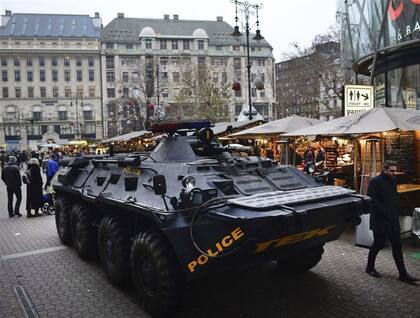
204,96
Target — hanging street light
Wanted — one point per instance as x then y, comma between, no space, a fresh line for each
248,9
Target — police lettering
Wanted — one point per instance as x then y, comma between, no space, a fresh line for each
220,246
286,240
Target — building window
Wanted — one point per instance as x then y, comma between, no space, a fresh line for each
201,44
224,77
55,91
109,62
3,61
91,75
67,91
89,128
67,61
163,44
163,60
175,60
18,92
174,44
218,47
201,60
125,92
42,75
110,92
236,48
186,44
125,77
41,60
91,61
37,116
29,76
43,91
129,46
78,61
4,76
67,76
238,93
17,61
17,76
30,92
55,75
62,115
110,76
54,60
79,75
135,76
148,43
5,92
175,77
91,91
87,115
80,92
109,45
29,61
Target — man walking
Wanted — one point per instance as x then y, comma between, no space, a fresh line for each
52,168
11,177
384,221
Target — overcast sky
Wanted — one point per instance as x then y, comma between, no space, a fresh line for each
281,21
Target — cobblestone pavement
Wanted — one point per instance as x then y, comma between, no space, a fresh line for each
59,284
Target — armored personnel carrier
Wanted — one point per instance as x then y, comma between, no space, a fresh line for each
190,209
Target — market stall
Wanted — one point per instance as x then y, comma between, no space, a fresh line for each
136,141
396,130
266,137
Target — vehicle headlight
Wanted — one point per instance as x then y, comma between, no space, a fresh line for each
188,182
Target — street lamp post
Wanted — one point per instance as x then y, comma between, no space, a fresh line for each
77,114
247,8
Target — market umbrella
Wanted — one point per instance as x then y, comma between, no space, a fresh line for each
277,127
127,137
376,120
52,145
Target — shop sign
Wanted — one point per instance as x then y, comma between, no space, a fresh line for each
405,16
358,98
410,98
49,102
380,94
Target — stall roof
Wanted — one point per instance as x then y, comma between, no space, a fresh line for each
376,120
223,127
277,127
127,137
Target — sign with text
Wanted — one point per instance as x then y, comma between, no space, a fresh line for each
358,98
410,98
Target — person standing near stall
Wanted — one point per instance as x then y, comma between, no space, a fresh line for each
33,180
384,221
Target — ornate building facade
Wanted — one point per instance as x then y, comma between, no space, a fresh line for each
147,60
50,79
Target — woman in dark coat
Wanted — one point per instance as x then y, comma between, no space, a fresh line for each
33,187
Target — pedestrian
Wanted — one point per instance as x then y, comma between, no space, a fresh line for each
33,180
52,168
384,221
11,177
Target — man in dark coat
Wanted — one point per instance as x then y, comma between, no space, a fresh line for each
384,221
11,177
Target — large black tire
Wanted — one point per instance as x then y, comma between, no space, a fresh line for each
84,234
63,219
304,261
114,247
156,274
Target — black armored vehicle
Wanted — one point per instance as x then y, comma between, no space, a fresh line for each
190,209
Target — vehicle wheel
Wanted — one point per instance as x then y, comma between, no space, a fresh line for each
84,234
63,219
156,274
304,261
114,249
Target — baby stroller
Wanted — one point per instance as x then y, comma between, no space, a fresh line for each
48,202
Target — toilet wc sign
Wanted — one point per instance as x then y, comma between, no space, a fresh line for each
358,98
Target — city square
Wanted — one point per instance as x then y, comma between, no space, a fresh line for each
195,164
